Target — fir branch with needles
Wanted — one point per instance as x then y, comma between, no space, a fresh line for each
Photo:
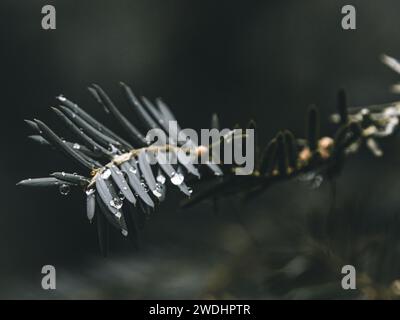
119,175
122,185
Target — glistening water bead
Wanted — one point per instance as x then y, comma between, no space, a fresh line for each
121,194
64,189
116,203
177,178
161,178
106,174
158,190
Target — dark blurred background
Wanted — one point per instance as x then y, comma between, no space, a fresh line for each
266,60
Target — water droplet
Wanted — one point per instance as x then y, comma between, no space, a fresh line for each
106,174
116,203
118,215
124,232
158,191
306,177
113,149
177,178
316,183
76,146
133,170
190,190
90,192
312,179
161,179
144,185
121,195
64,189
